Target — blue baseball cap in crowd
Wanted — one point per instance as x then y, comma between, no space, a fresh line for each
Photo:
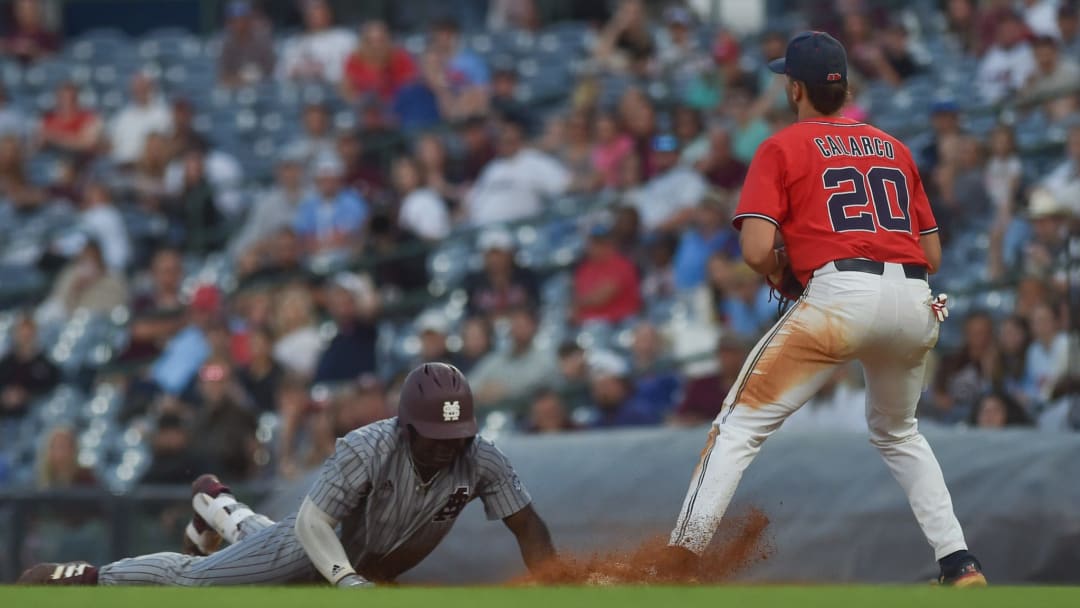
813,58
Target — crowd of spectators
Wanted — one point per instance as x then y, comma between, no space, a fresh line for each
205,362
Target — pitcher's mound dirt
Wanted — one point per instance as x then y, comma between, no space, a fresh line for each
740,542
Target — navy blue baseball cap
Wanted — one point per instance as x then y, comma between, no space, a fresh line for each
813,58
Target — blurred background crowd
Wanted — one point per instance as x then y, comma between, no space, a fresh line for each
221,249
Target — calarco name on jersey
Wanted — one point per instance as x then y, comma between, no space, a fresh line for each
857,147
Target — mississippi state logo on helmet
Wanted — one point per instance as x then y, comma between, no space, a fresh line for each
436,401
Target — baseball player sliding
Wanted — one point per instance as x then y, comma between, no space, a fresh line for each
859,234
383,501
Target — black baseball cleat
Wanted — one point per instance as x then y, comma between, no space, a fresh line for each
70,573
199,538
961,569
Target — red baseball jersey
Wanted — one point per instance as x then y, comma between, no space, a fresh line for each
837,189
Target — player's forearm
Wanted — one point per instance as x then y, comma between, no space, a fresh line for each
533,537
315,531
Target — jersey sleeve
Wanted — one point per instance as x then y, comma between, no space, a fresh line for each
920,205
500,488
344,478
763,194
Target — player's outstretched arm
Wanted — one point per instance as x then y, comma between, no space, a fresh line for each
533,537
315,531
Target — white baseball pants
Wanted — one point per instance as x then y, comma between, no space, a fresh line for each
885,322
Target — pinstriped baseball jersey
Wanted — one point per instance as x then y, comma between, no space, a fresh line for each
390,520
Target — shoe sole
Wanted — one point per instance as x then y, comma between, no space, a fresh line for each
971,580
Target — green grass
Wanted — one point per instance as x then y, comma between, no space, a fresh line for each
478,597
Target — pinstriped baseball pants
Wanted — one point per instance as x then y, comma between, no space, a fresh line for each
266,553
882,321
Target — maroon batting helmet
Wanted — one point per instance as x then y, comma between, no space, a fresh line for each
436,401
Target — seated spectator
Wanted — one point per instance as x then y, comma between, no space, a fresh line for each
360,404
626,42
353,306
29,39
1003,173
945,126
1048,354
173,460
548,414
1008,64
502,285
719,165
273,209
657,266
298,340
878,56
476,343
712,88
223,173
626,230
184,135
1044,254
964,374
710,233
638,118
247,48
26,373
654,371
504,378
667,201
100,220
1064,180
610,148
333,216
12,120
376,66
958,187
1068,22
364,170
85,283
478,147
1014,339
1053,74
262,376
317,139
703,395
433,163
503,99
15,185
195,206
282,261
898,63
514,185
572,381
997,411
69,128
421,210
612,390
145,113
224,425
189,348
146,177
606,283
400,258
463,66
162,295
318,54
58,464
749,128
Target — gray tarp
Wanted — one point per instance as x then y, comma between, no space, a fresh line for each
836,513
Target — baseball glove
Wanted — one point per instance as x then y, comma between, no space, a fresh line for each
785,287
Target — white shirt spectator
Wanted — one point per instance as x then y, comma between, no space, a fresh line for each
1003,71
1047,365
424,213
319,55
133,123
666,194
999,177
106,226
1064,183
513,188
273,210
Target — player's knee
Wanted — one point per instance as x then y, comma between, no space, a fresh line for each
883,438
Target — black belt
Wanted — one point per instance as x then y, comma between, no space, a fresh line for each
911,271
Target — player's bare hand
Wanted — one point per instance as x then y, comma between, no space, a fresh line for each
355,581
939,304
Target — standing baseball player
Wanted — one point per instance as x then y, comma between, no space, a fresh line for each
383,501
859,234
